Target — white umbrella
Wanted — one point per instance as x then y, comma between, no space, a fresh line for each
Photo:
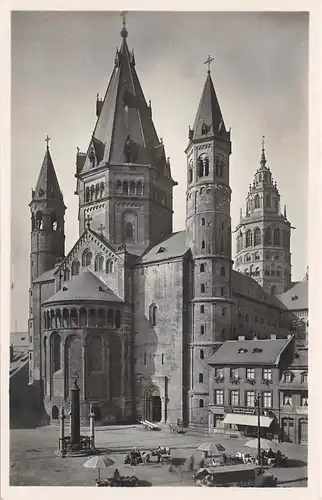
98,462
265,444
213,448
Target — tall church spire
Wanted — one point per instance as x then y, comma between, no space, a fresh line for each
209,121
263,157
47,186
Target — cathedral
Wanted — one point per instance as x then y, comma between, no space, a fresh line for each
134,310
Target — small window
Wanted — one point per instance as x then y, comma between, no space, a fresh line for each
223,311
202,268
202,354
202,329
222,291
203,245
203,221
162,358
202,309
200,378
202,288
304,377
200,403
145,358
288,377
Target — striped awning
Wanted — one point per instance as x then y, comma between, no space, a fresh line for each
251,420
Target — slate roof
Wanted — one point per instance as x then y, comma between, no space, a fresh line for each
46,276
209,113
246,286
84,286
301,359
300,294
125,118
47,187
229,353
168,248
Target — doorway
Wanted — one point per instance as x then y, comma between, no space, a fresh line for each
152,405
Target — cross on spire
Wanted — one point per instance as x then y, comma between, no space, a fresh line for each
124,30
47,140
209,61
88,221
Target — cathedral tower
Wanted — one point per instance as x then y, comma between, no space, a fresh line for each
124,180
47,246
263,234
208,234
47,220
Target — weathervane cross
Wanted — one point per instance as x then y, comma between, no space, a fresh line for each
47,140
209,61
123,16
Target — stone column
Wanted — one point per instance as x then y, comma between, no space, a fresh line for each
84,395
164,409
75,416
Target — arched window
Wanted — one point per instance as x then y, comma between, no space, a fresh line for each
202,354
102,186
99,263
200,167
117,319
82,317
87,195
249,238
101,317
92,192
277,236
56,358
200,378
190,175
87,258
97,190
206,164
73,318
202,268
257,236
118,186
202,329
260,177
110,317
153,315
200,403
75,267
203,221
139,188
257,271
256,201
130,226
278,271
132,187
202,288
202,309
54,413
125,187
39,220
202,245
268,236
65,318
66,274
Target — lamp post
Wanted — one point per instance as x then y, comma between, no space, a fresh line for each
258,428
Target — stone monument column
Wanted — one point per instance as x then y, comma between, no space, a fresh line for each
75,416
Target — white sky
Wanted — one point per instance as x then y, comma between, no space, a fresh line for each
60,60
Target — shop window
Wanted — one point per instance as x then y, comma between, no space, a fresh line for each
219,397
250,399
267,399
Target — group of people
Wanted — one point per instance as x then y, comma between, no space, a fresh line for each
272,458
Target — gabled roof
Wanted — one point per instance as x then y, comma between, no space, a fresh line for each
297,297
209,120
47,187
124,121
249,352
46,276
168,248
84,238
84,286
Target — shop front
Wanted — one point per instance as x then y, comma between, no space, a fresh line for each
241,421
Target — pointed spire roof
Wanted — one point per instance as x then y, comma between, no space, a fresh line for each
209,120
47,187
263,157
125,121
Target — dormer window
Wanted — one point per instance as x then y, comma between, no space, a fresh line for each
161,250
294,297
257,350
242,351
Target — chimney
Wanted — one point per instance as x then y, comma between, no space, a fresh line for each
289,336
241,337
273,336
